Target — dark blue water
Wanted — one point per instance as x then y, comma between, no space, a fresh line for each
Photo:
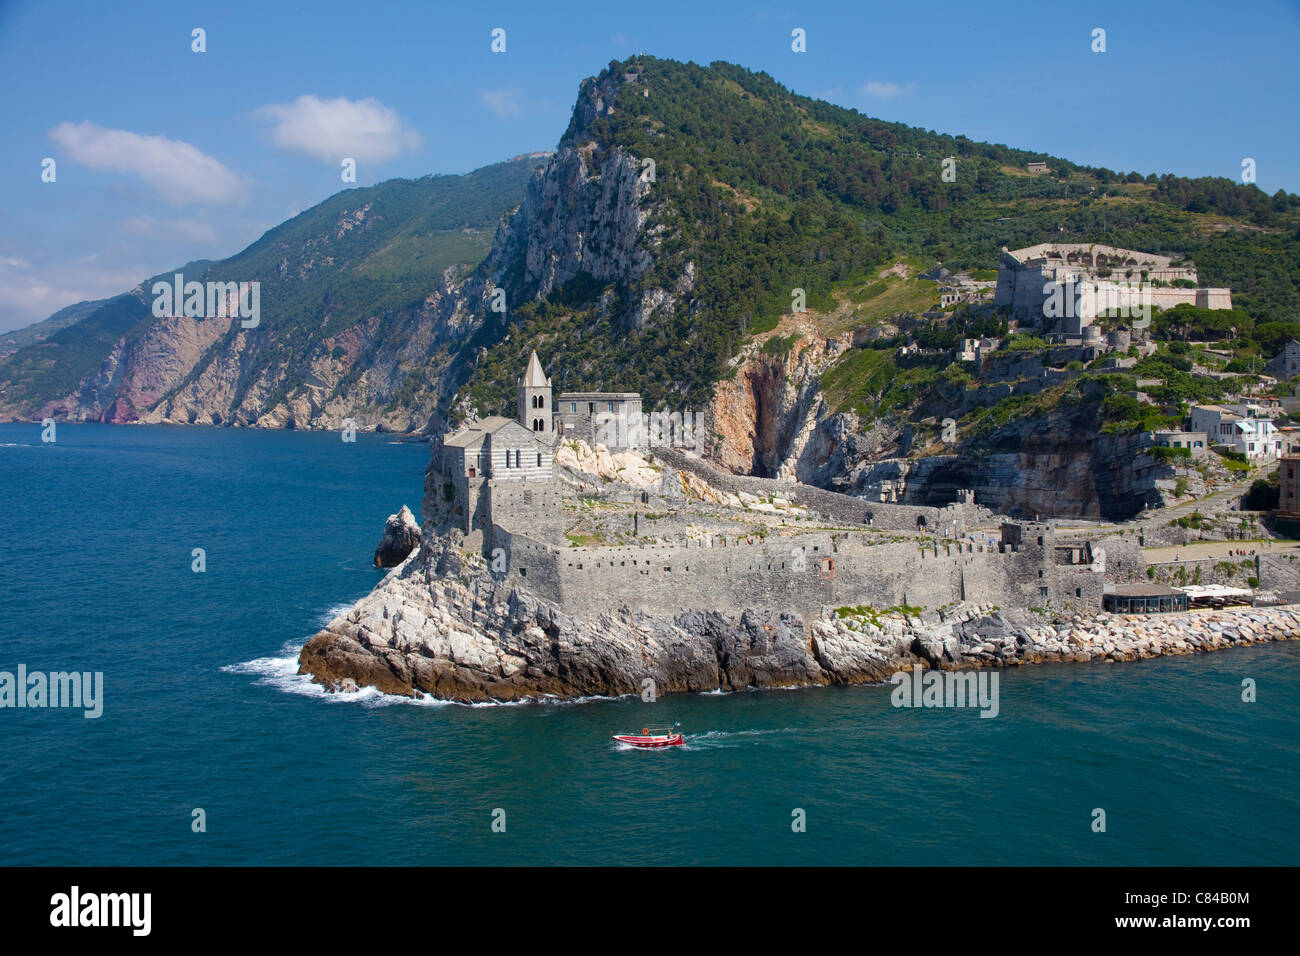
201,709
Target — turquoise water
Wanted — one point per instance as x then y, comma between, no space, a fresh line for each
201,709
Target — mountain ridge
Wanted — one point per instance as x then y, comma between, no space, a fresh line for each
363,261
660,249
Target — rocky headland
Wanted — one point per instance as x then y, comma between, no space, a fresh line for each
440,625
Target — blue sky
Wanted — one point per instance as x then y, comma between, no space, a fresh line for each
165,155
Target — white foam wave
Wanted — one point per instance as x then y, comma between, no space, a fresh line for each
329,614
282,674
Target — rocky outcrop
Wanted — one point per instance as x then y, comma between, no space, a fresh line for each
625,467
761,417
441,625
1035,466
401,537
586,214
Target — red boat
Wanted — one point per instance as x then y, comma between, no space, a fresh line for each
652,738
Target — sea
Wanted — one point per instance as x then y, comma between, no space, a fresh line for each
212,750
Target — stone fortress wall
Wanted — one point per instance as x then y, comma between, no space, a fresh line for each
1027,565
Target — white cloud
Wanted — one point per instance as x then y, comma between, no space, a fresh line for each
502,102
180,172
193,230
29,294
332,130
885,91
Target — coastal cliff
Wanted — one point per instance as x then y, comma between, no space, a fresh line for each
362,304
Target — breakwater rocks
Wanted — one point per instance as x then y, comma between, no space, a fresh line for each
441,625
979,637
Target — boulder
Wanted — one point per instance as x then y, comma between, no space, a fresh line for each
401,537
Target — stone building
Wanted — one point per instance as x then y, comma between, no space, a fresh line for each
611,418
1065,286
1286,363
1197,443
535,400
1288,497
500,462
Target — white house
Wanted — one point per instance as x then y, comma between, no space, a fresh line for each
1240,427
1208,418
1258,439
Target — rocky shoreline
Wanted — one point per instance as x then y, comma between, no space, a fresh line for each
440,625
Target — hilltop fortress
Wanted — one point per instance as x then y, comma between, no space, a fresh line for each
1094,279
659,549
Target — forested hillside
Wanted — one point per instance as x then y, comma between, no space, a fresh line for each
762,191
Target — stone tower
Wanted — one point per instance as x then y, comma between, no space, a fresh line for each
535,400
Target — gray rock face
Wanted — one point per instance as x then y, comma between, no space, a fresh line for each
1028,467
583,215
401,537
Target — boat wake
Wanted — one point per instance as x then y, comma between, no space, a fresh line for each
715,739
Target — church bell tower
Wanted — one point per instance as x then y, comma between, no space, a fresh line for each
535,400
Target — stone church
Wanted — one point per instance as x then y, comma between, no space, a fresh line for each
500,464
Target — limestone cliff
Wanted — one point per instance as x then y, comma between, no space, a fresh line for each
761,418
771,418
